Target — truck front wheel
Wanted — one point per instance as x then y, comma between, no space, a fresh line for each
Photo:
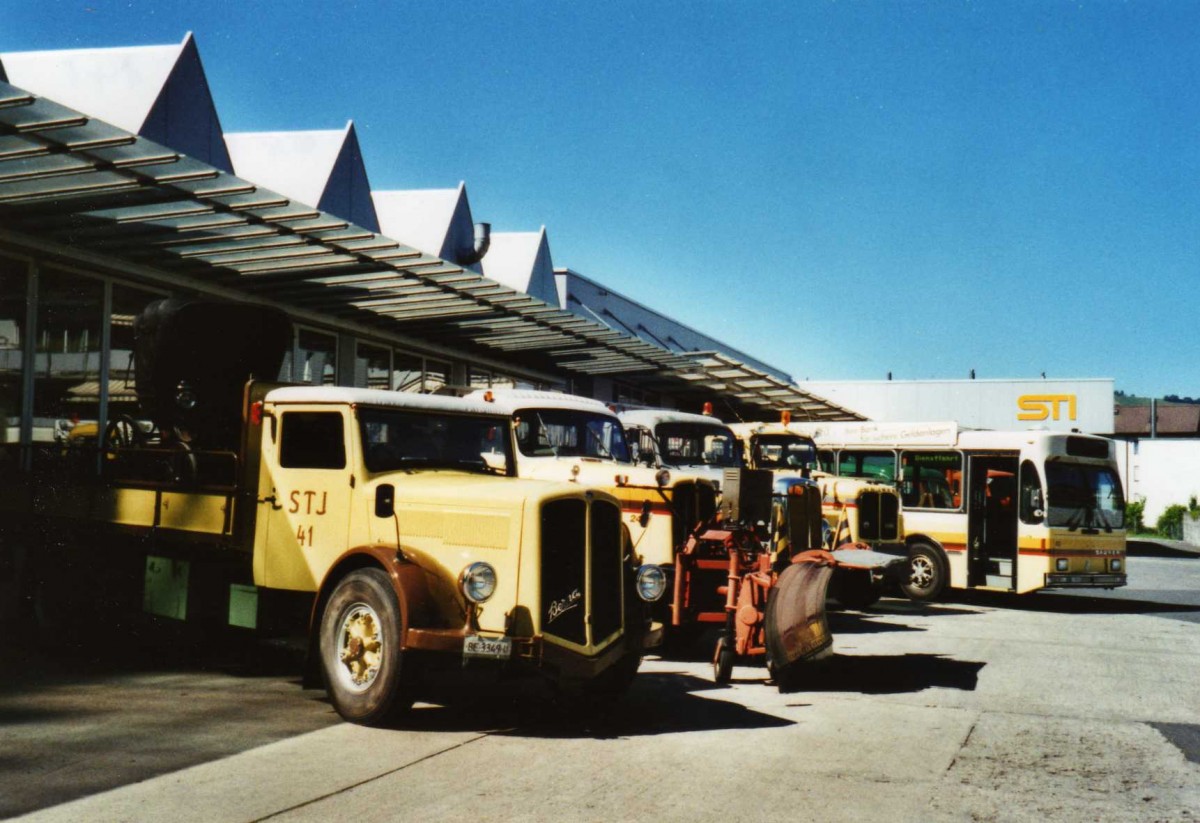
360,649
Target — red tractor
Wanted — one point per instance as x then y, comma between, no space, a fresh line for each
761,572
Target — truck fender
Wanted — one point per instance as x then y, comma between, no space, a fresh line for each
409,582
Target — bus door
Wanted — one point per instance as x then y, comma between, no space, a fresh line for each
992,520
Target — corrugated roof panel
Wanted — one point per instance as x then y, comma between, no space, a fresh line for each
180,214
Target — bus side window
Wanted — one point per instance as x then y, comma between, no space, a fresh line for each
878,466
847,464
1030,503
928,479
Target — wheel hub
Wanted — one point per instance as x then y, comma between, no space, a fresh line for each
922,572
360,647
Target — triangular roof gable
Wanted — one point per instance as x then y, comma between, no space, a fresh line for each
417,217
323,169
348,192
435,221
521,260
184,115
157,92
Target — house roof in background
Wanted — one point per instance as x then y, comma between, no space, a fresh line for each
1172,419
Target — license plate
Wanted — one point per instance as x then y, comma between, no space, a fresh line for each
491,648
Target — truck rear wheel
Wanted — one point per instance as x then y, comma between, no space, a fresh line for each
927,573
361,660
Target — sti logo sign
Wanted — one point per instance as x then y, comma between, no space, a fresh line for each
1046,406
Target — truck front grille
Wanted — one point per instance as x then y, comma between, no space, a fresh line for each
878,516
606,571
569,559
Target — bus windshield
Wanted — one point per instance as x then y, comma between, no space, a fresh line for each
695,444
784,451
1082,496
570,433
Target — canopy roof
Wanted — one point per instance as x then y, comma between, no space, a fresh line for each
80,184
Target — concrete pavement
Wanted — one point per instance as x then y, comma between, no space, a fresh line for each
992,708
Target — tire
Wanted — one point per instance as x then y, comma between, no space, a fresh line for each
122,432
723,661
364,669
854,589
927,573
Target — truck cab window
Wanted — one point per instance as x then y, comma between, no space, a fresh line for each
825,458
312,440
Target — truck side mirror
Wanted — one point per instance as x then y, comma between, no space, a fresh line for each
644,517
385,500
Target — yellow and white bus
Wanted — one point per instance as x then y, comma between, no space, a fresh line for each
1002,510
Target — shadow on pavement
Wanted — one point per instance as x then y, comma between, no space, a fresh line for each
1157,547
125,707
1057,603
864,623
696,646
657,703
903,607
1183,736
887,674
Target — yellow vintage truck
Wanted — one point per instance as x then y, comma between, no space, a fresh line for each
718,565
390,527
559,436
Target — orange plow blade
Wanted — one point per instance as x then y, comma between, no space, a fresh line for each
795,628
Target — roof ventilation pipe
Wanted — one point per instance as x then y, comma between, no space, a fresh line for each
483,239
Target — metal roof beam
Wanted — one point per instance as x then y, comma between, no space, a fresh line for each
421,314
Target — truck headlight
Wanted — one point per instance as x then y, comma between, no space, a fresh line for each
651,583
1115,564
1061,564
478,582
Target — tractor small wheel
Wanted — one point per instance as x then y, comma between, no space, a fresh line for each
723,661
366,674
926,575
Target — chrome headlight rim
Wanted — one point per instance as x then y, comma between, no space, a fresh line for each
478,582
651,583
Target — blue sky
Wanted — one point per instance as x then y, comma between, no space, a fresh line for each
840,189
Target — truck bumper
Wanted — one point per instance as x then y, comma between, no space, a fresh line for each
1068,580
535,651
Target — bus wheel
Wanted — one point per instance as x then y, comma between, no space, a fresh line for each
360,649
927,573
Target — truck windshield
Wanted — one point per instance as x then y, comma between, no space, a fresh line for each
570,433
1081,496
397,439
695,444
784,451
